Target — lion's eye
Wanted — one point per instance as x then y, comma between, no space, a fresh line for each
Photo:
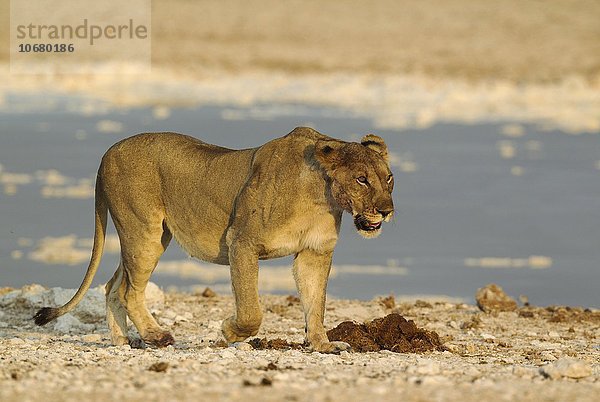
390,178
362,180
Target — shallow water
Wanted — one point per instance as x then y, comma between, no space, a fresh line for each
475,204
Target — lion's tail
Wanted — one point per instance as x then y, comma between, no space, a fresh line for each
47,314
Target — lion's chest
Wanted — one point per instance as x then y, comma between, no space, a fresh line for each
318,233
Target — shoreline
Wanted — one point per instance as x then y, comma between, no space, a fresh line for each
392,102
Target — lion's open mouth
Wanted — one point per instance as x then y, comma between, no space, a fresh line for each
363,223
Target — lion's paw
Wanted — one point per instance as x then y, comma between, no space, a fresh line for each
232,332
335,347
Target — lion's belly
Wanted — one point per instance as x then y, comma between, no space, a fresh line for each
201,241
319,234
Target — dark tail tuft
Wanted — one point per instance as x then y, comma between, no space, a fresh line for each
45,315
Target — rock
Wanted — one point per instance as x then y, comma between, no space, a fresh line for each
428,367
242,346
547,356
226,354
208,292
492,298
16,341
27,296
91,338
91,309
567,367
68,323
155,297
523,372
9,298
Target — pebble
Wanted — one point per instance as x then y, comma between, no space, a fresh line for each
523,372
491,298
16,341
547,356
567,367
226,354
91,338
245,346
427,367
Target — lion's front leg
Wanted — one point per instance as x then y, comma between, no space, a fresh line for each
244,280
311,271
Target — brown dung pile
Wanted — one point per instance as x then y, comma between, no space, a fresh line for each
392,332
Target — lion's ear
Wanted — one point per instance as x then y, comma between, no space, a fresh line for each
377,144
327,153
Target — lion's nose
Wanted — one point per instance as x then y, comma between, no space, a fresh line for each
385,212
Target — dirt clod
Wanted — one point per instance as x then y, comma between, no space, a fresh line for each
491,298
423,304
208,292
264,382
159,367
388,302
291,300
277,343
392,332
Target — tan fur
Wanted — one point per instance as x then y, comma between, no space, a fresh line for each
234,208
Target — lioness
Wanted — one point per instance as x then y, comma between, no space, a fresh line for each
232,207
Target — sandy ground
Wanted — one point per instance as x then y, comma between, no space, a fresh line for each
528,354
514,40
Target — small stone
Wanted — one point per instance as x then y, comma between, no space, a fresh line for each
180,318
547,356
91,338
566,367
208,292
264,363
16,341
245,346
427,367
492,298
573,368
226,354
523,372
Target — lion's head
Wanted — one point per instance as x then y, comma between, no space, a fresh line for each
361,180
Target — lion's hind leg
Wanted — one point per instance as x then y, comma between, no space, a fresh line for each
139,256
116,315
